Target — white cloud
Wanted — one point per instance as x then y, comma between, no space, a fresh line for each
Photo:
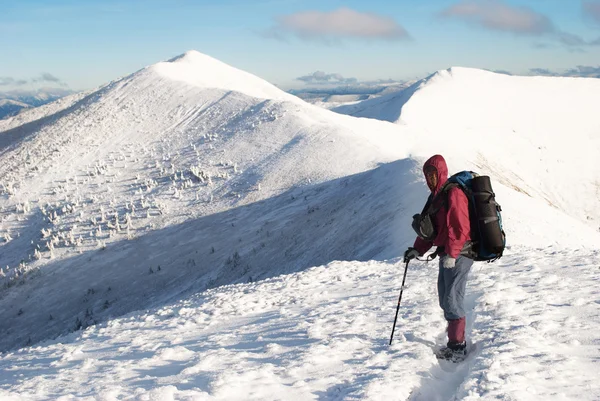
579,71
342,23
46,77
500,16
10,81
496,15
320,77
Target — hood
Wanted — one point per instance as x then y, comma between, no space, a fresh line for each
439,163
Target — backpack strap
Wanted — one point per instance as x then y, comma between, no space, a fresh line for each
432,200
427,204
432,206
468,249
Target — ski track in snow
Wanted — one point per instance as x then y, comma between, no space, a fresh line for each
323,334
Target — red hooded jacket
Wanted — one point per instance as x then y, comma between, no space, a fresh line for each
452,223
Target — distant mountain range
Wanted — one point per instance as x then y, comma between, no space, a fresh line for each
347,93
13,102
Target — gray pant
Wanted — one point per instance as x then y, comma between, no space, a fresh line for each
451,287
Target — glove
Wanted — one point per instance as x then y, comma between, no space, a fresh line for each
410,253
448,262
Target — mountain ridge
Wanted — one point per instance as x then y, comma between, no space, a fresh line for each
515,120
214,186
145,154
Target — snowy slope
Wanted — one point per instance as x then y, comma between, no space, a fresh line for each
36,116
323,334
211,184
168,182
537,135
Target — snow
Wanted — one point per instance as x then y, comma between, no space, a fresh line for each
335,97
37,113
10,107
324,332
198,69
9,102
190,231
534,129
151,171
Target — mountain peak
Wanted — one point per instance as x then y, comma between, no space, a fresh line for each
193,56
459,72
198,69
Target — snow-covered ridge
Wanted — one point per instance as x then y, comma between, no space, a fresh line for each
168,182
10,107
537,135
38,113
471,90
5,102
15,101
232,182
198,69
482,98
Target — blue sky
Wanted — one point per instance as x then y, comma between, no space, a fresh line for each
83,44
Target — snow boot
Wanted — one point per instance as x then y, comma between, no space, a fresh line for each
453,352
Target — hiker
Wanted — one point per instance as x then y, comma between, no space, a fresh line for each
450,220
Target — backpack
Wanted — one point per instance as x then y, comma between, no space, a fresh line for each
487,235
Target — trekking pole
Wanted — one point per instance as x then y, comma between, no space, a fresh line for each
399,300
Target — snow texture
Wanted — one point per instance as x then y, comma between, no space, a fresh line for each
159,237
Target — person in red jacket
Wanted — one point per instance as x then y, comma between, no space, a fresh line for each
453,234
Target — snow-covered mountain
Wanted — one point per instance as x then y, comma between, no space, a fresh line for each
533,132
332,97
13,102
190,175
36,97
10,107
168,168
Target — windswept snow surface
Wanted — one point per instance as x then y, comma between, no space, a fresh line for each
172,215
323,334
